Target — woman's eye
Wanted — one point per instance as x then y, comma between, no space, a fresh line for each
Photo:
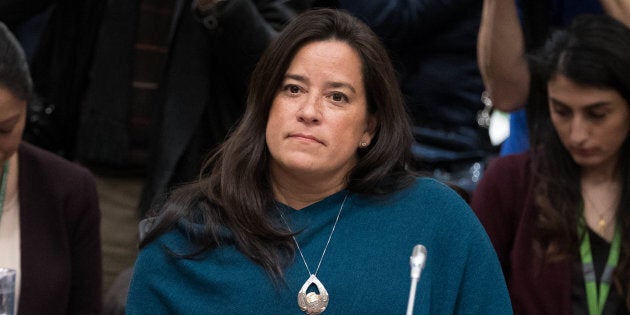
294,89
561,112
339,97
596,115
6,129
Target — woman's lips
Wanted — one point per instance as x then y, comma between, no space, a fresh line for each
305,137
583,152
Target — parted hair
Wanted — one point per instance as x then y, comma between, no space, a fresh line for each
593,51
14,73
233,203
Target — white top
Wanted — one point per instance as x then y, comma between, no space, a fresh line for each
10,227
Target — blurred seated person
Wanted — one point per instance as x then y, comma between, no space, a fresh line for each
49,214
558,213
311,205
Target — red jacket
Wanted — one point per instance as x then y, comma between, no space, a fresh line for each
503,202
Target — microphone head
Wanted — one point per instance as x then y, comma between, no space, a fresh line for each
417,260
419,250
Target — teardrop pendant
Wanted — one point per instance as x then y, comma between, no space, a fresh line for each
312,303
601,225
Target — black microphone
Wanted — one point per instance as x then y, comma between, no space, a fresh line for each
417,260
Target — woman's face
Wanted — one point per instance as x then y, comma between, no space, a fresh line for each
12,119
319,117
592,122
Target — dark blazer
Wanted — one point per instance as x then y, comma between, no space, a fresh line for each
60,236
433,44
205,85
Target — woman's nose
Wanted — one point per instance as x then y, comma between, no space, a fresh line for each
310,110
579,130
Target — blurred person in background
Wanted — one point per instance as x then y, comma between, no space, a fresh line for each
214,46
433,47
558,214
509,30
49,214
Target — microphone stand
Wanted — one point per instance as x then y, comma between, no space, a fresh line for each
417,260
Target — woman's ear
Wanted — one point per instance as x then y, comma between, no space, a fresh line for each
372,122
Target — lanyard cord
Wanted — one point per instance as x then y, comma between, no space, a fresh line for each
596,300
3,186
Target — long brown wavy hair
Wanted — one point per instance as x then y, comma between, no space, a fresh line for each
233,204
592,51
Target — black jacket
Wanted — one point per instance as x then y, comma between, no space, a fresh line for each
433,45
205,85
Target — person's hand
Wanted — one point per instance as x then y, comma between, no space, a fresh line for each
618,9
204,11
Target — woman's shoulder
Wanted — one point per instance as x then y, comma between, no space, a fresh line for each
429,190
513,163
504,190
425,199
44,163
48,181
514,169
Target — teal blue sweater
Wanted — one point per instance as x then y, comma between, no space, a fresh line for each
365,269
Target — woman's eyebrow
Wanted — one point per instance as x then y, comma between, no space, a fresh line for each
595,105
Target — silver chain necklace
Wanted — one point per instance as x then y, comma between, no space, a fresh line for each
312,303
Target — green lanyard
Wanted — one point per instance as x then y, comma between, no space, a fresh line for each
597,301
3,186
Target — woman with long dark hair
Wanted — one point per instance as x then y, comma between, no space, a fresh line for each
558,214
310,203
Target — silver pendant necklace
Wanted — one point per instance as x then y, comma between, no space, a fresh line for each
313,303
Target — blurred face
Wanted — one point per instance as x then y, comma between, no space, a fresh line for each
319,118
592,122
12,119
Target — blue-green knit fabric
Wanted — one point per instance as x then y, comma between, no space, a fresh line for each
365,270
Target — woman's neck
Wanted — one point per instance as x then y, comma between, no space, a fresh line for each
300,192
12,177
600,195
599,176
